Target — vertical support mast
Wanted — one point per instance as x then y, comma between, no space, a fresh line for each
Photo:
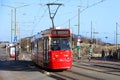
91,31
15,21
116,36
50,12
11,25
78,21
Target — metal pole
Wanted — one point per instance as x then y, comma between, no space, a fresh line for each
91,31
78,21
69,23
15,31
15,21
106,47
90,50
11,24
117,40
79,54
53,23
116,36
15,53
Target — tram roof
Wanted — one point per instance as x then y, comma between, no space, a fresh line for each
48,33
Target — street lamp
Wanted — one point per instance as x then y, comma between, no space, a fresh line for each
15,36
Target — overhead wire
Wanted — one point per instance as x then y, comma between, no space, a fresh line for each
40,18
88,6
72,18
35,19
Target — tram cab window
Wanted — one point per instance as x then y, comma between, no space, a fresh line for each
55,44
65,44
60,44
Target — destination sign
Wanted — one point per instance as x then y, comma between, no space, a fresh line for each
60,32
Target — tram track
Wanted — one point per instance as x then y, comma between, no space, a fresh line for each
66,75
74,74
102,69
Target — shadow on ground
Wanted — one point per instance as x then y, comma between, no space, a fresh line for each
19,65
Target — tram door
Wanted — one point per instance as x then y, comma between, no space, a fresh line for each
46,51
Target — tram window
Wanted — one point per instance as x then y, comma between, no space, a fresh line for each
32,46
40,45
65,45
60,44
35,48
55,44
46,43
55,47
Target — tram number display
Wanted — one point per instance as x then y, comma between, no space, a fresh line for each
60,32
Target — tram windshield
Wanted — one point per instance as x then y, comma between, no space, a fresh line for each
60,44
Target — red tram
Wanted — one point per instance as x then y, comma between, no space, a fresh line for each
51,49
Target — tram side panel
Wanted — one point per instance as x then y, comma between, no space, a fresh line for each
40,53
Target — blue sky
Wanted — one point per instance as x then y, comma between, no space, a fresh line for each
35,17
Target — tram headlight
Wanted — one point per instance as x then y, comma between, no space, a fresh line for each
66,55
55,57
